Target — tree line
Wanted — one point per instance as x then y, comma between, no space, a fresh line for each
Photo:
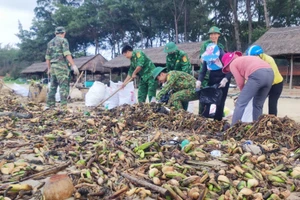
109,24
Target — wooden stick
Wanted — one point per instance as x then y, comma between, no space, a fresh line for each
199,163
15,114
75,84
123,148
119,192
172,192
2,82
100,193
46,172
137,181
113,93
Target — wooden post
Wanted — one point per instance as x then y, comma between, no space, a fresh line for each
122,74
84,78
291,73
110,74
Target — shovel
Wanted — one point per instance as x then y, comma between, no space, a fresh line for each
115,92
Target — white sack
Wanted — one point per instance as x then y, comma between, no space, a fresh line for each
248,112
127,94
191,107
57,94
95,94
19,90
113,101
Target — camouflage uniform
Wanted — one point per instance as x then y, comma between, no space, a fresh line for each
178,61
147,85
183,89
57,49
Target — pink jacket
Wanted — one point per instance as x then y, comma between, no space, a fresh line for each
242,67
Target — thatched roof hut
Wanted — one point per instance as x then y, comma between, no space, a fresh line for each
93,64
36,68
158,56
283,43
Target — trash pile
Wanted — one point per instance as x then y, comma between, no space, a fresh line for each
135,152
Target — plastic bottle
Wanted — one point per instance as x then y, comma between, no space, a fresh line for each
174,141
215,153
184,143
248,142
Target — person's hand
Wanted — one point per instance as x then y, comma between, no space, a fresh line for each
133,76
123,85
75,69
198,84
223,82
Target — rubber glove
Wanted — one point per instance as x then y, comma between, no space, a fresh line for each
75,69
198,84
223,82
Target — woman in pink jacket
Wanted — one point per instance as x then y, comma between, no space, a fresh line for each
254,77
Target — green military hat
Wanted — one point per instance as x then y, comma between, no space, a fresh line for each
170,47
214,29
60,29
157,71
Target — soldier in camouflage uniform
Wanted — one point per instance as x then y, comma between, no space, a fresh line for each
177,59
57,57
140,65
182,85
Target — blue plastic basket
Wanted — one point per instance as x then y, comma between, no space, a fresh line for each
89,84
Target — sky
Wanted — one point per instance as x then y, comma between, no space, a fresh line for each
12,11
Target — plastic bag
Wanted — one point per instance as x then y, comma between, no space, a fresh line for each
248,112
19,90
192,107
127,94
57,94
95,94
113,101
211,95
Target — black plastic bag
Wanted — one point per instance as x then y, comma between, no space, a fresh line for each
211,95
165,98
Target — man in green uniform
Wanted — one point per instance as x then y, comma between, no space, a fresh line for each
177,59
57,58
182,85
140,65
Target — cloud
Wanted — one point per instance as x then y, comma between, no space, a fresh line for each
12,11
20,5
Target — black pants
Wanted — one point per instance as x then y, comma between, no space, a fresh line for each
204,108
274,95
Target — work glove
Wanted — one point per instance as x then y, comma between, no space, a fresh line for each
75,69
198,84
164,110
223,82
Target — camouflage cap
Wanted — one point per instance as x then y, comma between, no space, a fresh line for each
60,29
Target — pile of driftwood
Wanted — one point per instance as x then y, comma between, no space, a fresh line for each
134,152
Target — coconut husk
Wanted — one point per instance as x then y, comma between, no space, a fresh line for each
42,97
37,92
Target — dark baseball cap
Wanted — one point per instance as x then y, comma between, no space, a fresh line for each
60,29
